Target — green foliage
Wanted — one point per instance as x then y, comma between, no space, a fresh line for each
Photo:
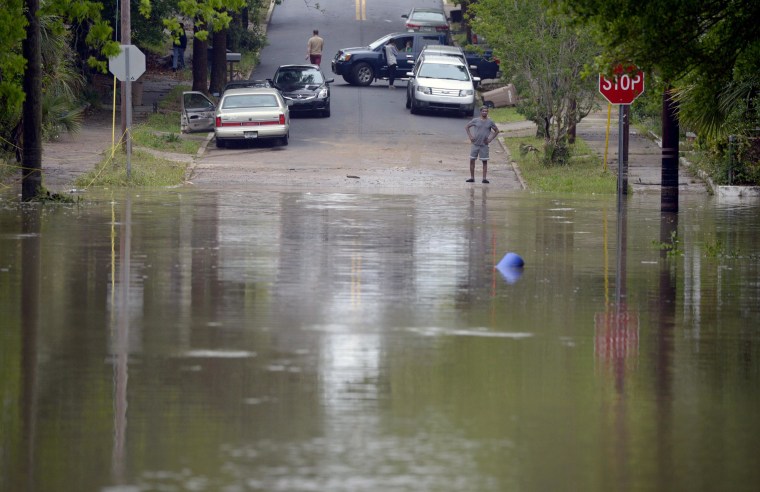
717,249
12,31
708,51
672,248
59,115
544,56
145,15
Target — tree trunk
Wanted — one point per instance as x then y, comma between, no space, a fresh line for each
669,187
573,121
31,153
200,63
219,67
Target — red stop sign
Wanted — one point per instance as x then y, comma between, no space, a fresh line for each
626,85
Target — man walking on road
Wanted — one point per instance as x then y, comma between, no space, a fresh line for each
485,130
314,48
391,52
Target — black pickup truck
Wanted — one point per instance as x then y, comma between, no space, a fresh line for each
363,65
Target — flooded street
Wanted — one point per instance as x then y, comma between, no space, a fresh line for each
268,340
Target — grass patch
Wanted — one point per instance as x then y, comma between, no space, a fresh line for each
505,115
161,131
146,170
172,101
8,167
584,174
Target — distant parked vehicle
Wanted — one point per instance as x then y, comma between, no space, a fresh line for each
304,87
426,19
241,115
441,83
365,64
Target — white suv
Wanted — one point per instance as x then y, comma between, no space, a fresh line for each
441,83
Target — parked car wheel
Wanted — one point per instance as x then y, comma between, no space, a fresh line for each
285,140
363,74
408,101
326,112
413,107
220,144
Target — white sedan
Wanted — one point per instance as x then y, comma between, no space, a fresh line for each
241,114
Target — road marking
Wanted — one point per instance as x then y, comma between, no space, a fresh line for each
361,10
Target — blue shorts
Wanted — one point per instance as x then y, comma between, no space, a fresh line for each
479,151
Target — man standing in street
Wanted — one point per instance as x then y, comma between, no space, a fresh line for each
314,48
484,130
391,52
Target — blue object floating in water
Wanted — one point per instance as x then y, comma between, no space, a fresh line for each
511,267
510,274
511,260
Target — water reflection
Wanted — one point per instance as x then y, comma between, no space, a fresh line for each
30,327
326,341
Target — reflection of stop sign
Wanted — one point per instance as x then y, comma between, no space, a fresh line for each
625,86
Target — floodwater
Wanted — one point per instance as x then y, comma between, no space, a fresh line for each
295,341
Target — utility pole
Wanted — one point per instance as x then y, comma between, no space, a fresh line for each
669,188
126,39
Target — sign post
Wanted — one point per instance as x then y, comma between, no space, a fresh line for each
128,66
626,84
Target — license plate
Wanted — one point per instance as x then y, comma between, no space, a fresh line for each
251,134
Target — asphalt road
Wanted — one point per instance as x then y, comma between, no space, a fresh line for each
371,139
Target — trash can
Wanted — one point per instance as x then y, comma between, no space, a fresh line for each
503,96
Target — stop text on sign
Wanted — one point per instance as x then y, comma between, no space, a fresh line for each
624,87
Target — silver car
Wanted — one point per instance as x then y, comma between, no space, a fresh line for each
426,19
244,114
441,83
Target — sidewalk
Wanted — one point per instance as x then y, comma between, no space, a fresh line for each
644,154
73,155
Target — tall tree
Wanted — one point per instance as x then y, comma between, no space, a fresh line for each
27,90
544,56
208,16
698,45
31,163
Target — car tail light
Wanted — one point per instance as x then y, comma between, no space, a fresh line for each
441,28
413,26
218,122
282,119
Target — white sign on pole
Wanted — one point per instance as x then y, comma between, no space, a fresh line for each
129,63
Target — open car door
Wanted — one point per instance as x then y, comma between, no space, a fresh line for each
197,113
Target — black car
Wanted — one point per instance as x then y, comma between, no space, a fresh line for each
304,87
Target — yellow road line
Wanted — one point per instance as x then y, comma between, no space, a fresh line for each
361,9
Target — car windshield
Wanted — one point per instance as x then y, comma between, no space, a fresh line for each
250,101
298,77
428,17
380,42
443,71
